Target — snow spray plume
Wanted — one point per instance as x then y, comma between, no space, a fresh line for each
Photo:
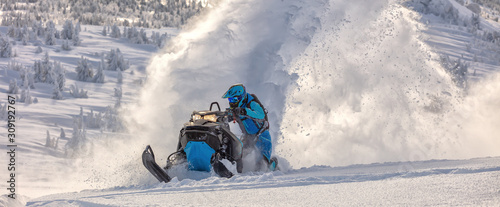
344,81
371,91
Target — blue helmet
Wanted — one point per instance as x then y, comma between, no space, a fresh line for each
235,95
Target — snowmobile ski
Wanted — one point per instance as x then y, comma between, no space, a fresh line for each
219,167
148,159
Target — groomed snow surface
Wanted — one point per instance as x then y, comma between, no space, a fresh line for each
436,182
362,111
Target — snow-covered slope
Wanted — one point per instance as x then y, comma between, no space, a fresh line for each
345,82
437,182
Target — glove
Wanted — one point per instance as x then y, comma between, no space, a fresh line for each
240,111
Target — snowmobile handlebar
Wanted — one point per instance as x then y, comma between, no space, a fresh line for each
232,114
212,104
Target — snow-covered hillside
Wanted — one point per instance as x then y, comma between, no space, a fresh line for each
405,95
44,167
438,182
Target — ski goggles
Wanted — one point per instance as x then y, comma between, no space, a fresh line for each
234,99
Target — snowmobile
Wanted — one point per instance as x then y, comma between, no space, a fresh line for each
203,142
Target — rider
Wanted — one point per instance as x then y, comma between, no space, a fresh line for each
252,118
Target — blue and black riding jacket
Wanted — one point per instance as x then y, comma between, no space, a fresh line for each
255,118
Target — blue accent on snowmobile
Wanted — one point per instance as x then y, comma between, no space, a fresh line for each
198,155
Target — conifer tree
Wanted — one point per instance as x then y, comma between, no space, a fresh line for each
84,70
76,39
60,74
115,32
13,87
50,35
57,94
5,47
48,140
68,29
99,76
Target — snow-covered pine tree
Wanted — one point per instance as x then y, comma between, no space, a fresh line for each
13,87
78,28
115,61
50,38
24,35
50,33
111,60
130,32
18,34
62,135
29,99
23,96
60,75
11,31
68,29
84,70
136,37
48,140
144,36
94,120
26,76
12,65
44,70
76,92
5,47
115,32
57,34
50,76
51,142
154,37
76,39
26,96
125,32
99,76
37,68
111,118
57,94
76,144
25,38
35,28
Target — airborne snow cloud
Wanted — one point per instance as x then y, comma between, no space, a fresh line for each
343,84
